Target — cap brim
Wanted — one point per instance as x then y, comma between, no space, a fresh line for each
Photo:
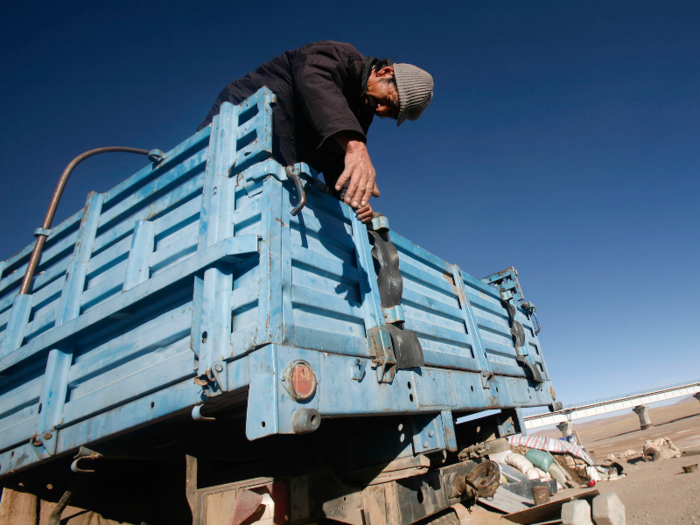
401,118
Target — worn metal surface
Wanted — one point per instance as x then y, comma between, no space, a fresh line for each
193,280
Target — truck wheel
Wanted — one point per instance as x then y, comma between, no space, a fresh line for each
446,517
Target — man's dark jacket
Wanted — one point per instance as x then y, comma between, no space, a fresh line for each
320,91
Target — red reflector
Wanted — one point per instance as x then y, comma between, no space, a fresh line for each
303,381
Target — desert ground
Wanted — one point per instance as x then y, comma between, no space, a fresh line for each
656,493
680,422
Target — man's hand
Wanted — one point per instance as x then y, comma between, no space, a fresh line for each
358,170
365,213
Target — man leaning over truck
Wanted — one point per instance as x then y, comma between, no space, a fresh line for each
327,95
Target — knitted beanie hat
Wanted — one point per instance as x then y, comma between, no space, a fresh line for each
415,88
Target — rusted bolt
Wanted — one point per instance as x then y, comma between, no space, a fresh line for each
219,367
36,441
48,435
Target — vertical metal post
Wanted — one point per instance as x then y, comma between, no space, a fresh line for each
17,324
55,387
369,288
270,302
285,232
470,325
213,317
138,265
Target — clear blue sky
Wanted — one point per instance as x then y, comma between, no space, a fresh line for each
563,139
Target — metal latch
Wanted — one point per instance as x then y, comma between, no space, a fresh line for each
530,310
506,282
384,360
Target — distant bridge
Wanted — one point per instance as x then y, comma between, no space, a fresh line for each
638,401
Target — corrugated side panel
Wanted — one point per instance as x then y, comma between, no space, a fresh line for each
108,328
132,357
142,349
325,291
432,308
492,321
48,280
19,404
136,355
246,276
443,321
172,202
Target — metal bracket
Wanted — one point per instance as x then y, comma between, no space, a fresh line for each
448,427
428,433
506,282
393,314
39,448
156,156
384,361
209,384
486,376
43,231
84,453
380,222
220,370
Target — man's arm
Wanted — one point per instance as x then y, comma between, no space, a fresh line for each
320,72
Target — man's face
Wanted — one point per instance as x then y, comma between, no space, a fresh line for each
382,95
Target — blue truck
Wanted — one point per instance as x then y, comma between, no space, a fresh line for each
217,339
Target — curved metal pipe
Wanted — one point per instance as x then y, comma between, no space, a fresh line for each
41,237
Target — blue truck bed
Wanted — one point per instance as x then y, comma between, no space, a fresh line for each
192,281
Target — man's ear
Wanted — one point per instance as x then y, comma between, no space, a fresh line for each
385,72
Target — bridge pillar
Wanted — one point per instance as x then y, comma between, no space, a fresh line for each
644,419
